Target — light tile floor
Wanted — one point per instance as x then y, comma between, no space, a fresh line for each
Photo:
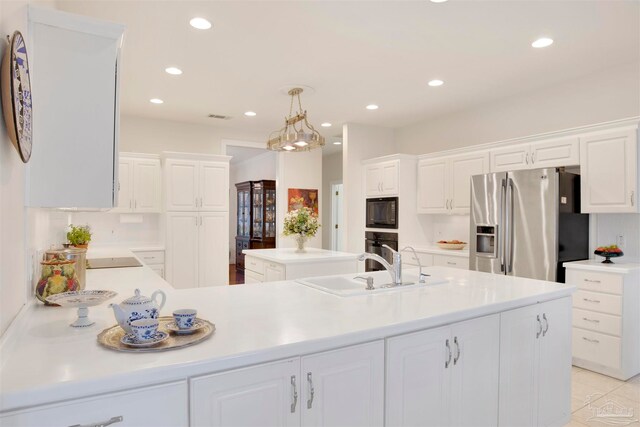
601,389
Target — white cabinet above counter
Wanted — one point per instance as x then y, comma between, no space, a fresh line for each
541,154
139,183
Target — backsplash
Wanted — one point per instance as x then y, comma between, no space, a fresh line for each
607,227
121,229
441,227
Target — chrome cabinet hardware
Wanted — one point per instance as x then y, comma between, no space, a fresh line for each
311,391
130,204
113,420
527,158
135,204
546,324
592,281
590,340
457,356
294,389
632,198
591,300
590,320
451,263
448,361
539,326
533,158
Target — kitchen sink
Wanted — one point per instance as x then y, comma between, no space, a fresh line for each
346,285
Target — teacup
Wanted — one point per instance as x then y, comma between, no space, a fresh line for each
185,318
144,329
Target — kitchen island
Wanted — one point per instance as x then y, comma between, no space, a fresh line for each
287,354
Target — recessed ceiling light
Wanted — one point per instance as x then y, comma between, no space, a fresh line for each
200,23
326,125
288,148
435,83
372,107
438,1
156,101
173,71
542,42
250,113
337,143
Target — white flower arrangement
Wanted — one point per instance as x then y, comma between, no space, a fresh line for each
301,221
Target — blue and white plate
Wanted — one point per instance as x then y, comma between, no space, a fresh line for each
130,340
197,325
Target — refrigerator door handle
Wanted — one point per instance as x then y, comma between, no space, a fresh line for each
509,222
502,239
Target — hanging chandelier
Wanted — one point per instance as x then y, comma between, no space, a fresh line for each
297,134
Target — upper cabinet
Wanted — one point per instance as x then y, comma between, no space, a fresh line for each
541,154
74,78
381,179
609,171
139,183
444,183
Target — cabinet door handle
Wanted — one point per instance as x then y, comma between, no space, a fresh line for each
590,340
533,158
527,158
592,281
129,203
539,326
113,420
311,391
586,319
457,356
135,204
591,300
546,324
451,263
294,389
448,361
632,194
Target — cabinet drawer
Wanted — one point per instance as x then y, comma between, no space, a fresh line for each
425,259
151,257
254,264
158,269
598,322
603,303
596,281
596,347
451,261
252,277
168,403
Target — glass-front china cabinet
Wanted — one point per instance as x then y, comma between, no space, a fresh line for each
256,217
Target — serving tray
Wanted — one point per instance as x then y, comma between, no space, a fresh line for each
110,338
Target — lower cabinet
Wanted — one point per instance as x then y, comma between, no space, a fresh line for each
535,365
451,261
168,402
335,388
445,376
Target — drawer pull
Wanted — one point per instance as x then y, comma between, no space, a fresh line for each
148,257
295,394
312,391
591,300
590,320
113,420
448,361
592,281
539,332
590,340
451,263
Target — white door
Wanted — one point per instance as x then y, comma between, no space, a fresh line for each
609,169
274,272
125,186
520,330
373,180
511,158
214,186
462,168
213,241
390,174
181,185
475,372
556,153
260,396
336,217
418,379
182,249
433,190
555,363
344,387
146,185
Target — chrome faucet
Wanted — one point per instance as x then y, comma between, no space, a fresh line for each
421,276
395,269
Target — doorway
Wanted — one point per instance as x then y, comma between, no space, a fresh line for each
336,216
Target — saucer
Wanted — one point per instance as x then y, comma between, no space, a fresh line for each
130,340
197,325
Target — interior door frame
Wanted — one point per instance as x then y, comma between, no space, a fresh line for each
335,215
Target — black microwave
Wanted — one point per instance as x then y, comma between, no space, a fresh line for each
382,212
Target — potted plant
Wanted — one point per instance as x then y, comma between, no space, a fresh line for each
79,236
301,223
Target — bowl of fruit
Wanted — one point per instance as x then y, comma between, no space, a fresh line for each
608,252
455,245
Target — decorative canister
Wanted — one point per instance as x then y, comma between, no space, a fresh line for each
78,255
56,276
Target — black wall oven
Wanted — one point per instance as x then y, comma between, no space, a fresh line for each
382,212
373,244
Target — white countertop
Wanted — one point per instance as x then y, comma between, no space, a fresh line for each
45,360
597,265
290,256
463,253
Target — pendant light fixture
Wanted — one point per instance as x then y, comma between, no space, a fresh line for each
297,134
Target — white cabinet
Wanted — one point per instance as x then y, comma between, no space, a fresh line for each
139,183
451,261
609,171
258,269
214,186
74,77
540,154
535,364
274,272
381,179
213,266
154,259
444,184
197,185
444,376
169,403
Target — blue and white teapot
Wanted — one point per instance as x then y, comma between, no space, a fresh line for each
138,307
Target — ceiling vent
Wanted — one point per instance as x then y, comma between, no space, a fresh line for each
220,117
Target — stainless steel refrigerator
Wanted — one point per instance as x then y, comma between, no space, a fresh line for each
527,223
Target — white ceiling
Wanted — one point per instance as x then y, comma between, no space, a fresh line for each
240,154
354,53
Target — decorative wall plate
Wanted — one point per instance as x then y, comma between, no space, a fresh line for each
16,95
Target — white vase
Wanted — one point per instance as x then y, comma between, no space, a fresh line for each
300,241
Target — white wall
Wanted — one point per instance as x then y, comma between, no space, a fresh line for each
360,142
297,170
610,95
253,169
128,230
331,173
607,227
